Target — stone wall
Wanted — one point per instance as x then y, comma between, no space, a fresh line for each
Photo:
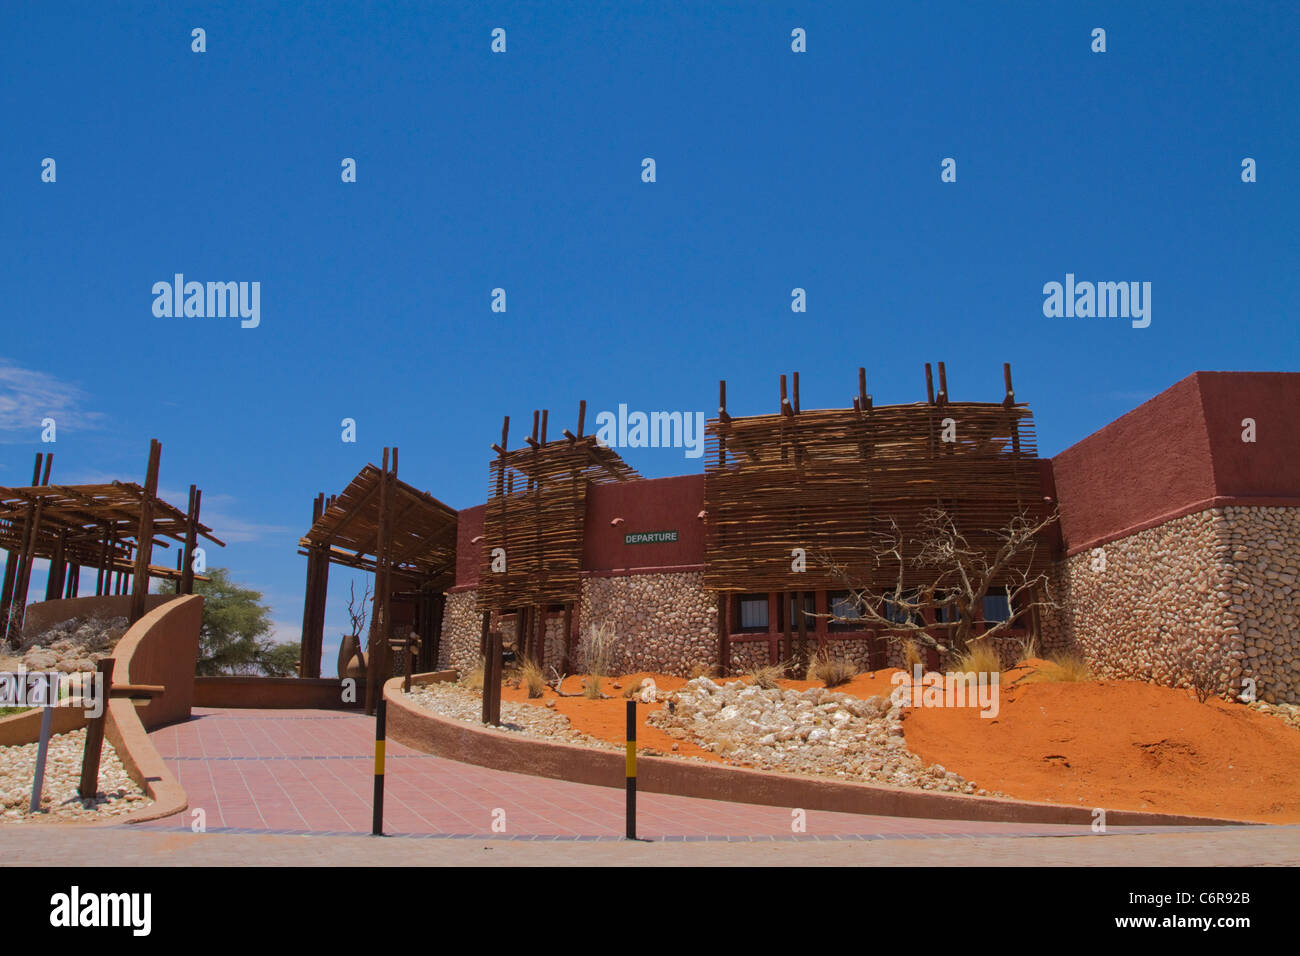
1213,591
1264,556
462,627
663,622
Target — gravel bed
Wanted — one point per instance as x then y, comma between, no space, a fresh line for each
118,793
447,699
816,731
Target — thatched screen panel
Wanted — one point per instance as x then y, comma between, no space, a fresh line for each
825,480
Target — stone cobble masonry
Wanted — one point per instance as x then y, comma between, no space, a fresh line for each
663,622
1215,590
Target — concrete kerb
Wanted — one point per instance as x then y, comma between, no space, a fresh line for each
502,750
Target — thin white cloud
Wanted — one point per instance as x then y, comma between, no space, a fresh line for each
28,396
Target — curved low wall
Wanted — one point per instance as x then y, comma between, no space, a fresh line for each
162,648
501,750
324,693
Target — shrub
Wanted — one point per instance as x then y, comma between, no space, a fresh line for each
591,687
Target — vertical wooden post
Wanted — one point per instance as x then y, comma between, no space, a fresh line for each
74,581
31,533
57,570
483,635
803,625
773,635
191,539
492,680
724,634
379,620
95,732
787,605
568,639
539,645
144,537
7,593
101,586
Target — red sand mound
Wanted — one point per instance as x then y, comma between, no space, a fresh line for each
1119,745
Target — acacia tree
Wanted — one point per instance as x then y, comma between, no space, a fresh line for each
233,634
957,577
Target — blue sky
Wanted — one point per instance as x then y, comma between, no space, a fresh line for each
522,170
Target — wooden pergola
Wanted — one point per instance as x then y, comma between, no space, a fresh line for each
405,537
95,525
534,525
828,481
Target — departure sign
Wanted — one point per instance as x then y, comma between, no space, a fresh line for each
649,537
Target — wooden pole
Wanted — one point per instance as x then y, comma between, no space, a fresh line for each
191,539
144,537
89,785
568,639
58,569
724,636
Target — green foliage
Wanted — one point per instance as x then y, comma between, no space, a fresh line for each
232,639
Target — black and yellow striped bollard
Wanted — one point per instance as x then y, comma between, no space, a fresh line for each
381,711
631,769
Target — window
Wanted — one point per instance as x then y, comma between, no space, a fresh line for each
753,612
997,607
897,613
809,611
842,605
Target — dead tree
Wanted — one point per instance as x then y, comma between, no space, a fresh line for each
955,576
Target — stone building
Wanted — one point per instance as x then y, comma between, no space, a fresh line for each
1175,553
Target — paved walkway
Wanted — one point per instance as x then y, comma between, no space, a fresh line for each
310,772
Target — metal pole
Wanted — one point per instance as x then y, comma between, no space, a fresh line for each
381,712
38,782
631,770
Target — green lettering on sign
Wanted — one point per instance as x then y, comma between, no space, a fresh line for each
649,537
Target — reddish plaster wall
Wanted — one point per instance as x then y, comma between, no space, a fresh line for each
1180,450
654,504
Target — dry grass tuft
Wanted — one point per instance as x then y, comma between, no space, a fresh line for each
1069,666
473,678
634,689
911,655
765,676
1028,649
530,675
702,670
979,657
831,671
